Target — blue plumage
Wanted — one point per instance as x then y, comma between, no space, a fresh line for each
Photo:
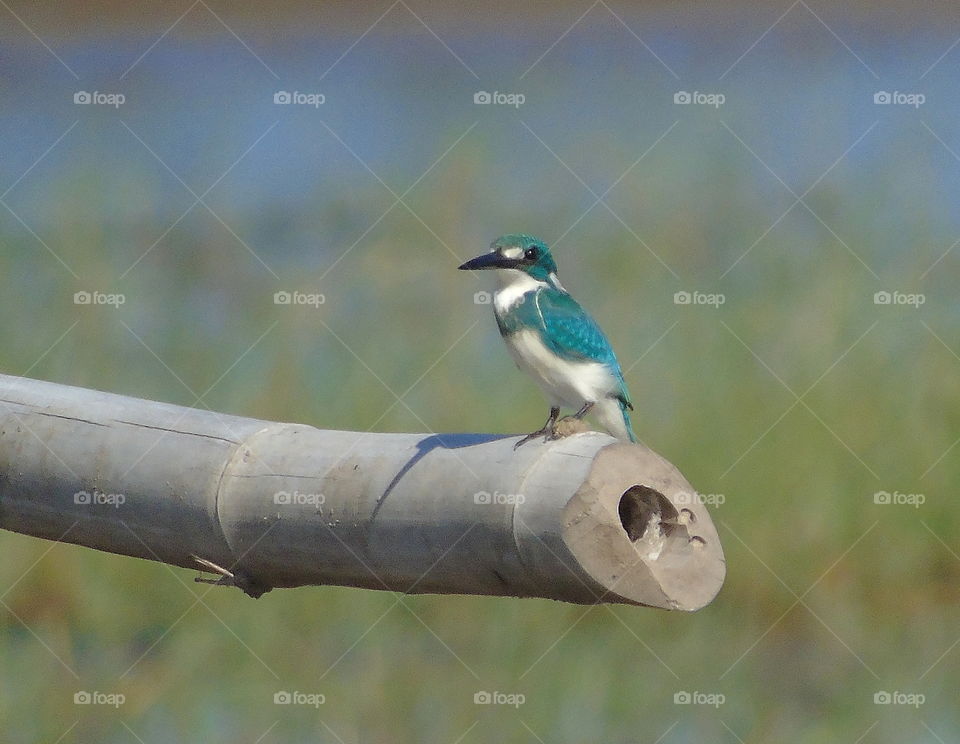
570,331
553,338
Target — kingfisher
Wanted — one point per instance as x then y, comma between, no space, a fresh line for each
553,339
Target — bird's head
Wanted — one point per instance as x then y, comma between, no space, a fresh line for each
518,253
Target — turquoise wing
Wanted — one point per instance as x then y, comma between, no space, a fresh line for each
568,331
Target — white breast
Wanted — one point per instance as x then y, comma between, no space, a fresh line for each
565,383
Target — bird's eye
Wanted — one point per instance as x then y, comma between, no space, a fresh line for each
531,254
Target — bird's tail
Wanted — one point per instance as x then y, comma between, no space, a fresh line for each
612,415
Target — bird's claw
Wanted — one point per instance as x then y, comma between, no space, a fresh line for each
547,435
561,429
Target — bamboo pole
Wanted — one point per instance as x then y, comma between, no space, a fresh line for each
583,519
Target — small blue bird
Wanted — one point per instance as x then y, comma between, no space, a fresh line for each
553,339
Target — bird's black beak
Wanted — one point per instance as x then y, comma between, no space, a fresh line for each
492,260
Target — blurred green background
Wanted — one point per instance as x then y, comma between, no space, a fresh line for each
797,399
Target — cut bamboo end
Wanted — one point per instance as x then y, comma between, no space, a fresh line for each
637,527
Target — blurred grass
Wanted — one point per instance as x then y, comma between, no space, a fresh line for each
799,512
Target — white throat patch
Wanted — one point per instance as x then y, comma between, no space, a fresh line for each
514,284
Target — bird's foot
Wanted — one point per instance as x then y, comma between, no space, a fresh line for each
546,432
567,426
